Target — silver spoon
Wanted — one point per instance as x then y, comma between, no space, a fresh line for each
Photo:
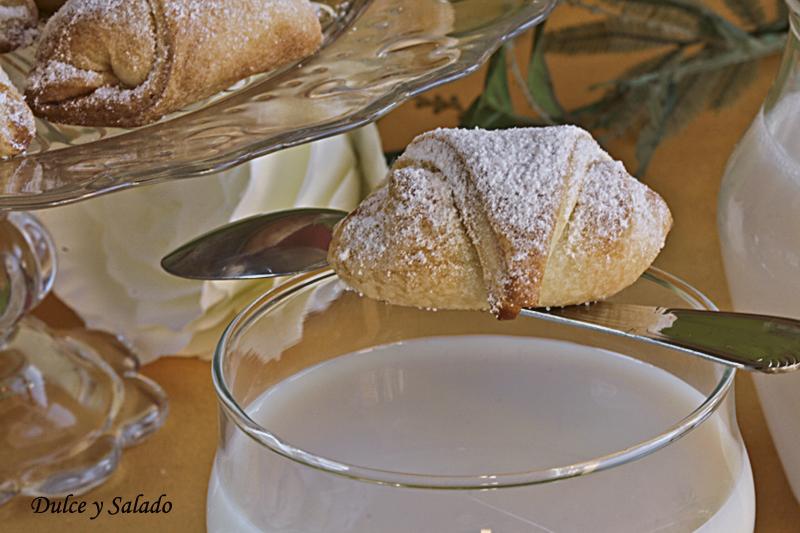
290,242
264,246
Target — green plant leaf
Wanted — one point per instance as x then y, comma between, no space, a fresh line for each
660,104
692,93
610,35
705,61
439,103
496,89
750,11
712,24
625,113
540,85
479,115
494,108
781,9
622,108
767,45
731,83
674,20
691,97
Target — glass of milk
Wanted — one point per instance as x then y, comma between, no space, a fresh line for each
759,226
344,414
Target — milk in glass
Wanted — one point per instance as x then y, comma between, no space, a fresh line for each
468,405
759,225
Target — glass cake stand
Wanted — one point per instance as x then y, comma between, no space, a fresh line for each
70,401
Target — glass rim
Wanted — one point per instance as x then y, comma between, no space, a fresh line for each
273,443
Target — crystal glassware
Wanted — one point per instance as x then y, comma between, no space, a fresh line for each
759,227
342,413
70,401
375,55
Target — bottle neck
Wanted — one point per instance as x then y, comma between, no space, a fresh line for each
788,80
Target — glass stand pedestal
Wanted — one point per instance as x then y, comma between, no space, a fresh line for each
71,400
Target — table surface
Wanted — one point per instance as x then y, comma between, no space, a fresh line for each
686,171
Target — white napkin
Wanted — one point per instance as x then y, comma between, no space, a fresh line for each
110,247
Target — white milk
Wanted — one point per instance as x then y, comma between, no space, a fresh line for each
760,215
473,405
759,223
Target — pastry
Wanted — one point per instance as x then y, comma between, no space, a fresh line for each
500,220
129,62
18,20
17,127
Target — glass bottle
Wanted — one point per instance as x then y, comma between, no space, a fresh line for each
759,227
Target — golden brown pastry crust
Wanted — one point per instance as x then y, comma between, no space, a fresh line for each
405,244
501,220
129,62
18,19
17,126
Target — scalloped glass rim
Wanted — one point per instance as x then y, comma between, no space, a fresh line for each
380,54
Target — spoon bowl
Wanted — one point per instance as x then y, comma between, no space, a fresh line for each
282,243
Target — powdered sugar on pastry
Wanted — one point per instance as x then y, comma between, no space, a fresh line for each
132,61
57,72
405,238
512,188
8,13
17,126
18,19
616,229
533,216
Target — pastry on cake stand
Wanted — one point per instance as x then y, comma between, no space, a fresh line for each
70,401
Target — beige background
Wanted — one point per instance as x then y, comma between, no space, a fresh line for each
686,171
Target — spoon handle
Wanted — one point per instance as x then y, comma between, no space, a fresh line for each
746,341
